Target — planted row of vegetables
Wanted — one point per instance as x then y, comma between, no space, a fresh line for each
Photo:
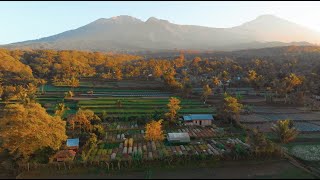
157,150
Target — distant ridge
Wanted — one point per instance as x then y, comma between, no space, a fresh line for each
129,34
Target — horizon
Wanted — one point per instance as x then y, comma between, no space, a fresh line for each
233,13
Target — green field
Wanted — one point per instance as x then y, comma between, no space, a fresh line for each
142,102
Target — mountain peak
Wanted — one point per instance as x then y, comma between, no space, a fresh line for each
151,19
123,17
267,16
156,20
270,18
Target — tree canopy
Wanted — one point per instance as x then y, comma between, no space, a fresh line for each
27,128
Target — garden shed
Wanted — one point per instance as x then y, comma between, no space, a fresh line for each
178,138
198,119
73,143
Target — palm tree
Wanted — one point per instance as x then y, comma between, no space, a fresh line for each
285,130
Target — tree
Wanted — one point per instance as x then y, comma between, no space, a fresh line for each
206,92
259,143
225,78
69,94
230,109
284,130
42,82
60,109
174,107
154,131
83,121
290,83
179,62
74,82
25,129
215,81
118,74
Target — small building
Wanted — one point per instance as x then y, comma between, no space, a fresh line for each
178,138
73,144
64,155
198,119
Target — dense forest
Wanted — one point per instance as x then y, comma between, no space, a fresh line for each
292,69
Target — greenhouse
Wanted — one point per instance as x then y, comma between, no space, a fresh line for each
178,137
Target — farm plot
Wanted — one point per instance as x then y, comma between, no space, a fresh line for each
133,103
199,132
113,137
122,125
50,104
306,127
306,152
252,118
139,106
84,89
276,110
294,117
263,127
157,150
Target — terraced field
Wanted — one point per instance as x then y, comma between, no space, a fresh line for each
138,103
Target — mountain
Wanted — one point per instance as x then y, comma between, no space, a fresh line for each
126,33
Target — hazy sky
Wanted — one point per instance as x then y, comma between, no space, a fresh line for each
32,20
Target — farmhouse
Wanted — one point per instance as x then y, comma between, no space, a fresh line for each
178,138
198,119
73,144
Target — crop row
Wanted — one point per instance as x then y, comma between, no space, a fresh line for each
156,150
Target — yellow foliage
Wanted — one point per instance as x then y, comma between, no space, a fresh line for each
25,129
154,131
284,131
83,120
174,107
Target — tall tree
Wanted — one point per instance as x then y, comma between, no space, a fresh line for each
154,131
174,107
206,92
42,82
230,109
290,83
74,82
27,128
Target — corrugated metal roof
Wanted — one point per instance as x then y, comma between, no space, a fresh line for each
73,142
182,137
191,117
